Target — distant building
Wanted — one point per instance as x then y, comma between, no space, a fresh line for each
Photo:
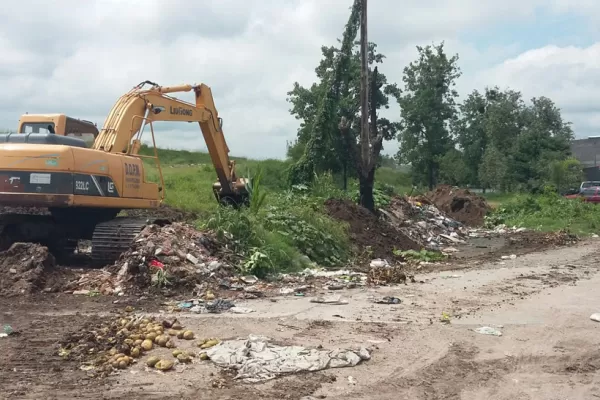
587,151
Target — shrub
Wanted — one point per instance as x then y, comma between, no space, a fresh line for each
547,212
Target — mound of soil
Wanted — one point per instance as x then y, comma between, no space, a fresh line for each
23,267
366,230
460,204
535,240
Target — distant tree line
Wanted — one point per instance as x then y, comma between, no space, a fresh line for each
492,139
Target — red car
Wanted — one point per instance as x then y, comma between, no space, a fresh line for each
589,194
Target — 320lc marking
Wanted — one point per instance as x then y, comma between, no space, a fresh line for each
80,185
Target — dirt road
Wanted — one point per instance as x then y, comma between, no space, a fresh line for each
541,302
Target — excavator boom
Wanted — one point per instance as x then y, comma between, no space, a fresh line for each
141,106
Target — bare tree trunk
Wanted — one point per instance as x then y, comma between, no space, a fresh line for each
366,190
365,149
345,181
366,170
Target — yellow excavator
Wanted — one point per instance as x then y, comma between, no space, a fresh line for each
49,164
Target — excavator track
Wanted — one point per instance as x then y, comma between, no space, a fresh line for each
110,239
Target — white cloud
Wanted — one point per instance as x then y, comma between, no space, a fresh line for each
79,57
568,75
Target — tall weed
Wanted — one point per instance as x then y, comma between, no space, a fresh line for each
256,192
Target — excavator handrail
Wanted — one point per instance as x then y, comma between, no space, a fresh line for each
155,157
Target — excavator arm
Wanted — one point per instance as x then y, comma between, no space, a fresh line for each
142,106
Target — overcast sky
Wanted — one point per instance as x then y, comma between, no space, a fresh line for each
77,57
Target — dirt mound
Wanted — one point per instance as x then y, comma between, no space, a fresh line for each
23,267
460,204
164,212
535,240
366,230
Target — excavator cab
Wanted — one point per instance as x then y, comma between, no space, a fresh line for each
57,124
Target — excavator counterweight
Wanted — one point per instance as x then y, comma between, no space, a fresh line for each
84,185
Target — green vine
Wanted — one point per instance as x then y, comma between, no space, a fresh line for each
326,120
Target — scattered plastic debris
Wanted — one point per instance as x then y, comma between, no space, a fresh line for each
389,300
335,300
249,279
241,310
595,317
445,318
488,330
213,307
185,304
6,331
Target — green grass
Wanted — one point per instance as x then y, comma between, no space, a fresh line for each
189,176
547,212
496,200
399,180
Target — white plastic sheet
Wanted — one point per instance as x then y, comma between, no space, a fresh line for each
256,359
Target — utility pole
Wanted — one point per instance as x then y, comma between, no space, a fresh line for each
365,145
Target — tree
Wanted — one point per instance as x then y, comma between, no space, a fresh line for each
470,134
380,129
321,142
528,138
492,171
427,107
329,112
544,139
566,174
504,118
453,168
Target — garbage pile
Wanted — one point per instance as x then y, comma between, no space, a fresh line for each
164,212
328,280
170,255
460,204
23,268
382,273
424,223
